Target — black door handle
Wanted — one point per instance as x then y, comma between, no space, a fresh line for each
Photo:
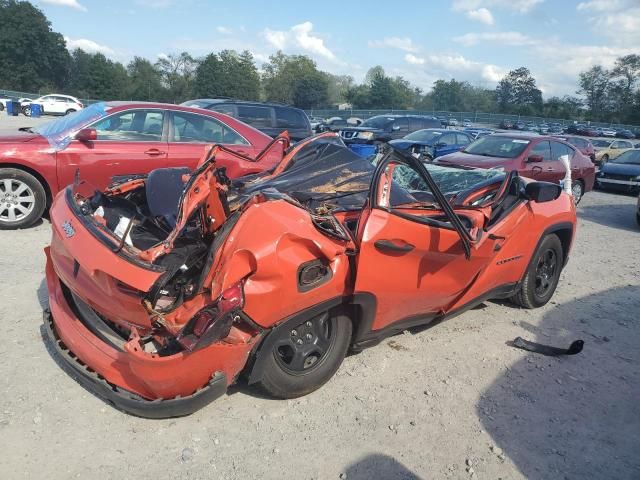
391,245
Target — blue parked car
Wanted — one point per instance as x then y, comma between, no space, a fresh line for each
432,143
622,173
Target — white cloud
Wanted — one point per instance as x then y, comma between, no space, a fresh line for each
617,19
66,3
404,44
224,30
503,38
88,46
413,60
299,36
481,15
276,38
493,73
519,6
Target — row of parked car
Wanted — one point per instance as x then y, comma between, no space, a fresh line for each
575,129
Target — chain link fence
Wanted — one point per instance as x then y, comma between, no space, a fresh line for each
15,95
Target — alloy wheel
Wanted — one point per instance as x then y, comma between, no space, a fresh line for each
17,200
545,272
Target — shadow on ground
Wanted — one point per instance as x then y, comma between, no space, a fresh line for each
380,467
622,216
574,416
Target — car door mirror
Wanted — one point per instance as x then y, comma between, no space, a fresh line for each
87,135
535,159
541,192
395,128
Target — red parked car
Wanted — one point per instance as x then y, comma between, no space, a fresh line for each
584,145
533,156
114,139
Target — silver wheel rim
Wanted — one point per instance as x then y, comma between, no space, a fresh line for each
17,200
576,190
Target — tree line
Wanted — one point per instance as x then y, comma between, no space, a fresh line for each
35,58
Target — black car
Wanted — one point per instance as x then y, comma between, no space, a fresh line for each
624,133
333,124
269,118
383,128
506,124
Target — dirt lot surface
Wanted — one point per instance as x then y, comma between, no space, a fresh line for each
453,401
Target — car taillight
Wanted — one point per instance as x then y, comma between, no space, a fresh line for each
214,321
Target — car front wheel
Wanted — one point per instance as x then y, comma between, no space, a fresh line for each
71,110
542,275
306,356
27,111
22,199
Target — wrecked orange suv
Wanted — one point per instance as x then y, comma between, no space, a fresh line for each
166,289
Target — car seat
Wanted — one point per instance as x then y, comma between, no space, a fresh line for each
164,187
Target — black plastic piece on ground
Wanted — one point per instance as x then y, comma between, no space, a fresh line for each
122,399
574,348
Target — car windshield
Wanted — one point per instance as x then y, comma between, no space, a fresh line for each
377,122
497,146
632,157
600,143
58,132
423,136
452,180
196,103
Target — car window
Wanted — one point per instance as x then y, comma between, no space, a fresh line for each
448,139
542,149
624,144
191,128
226,109
255,116
616,144
405,188
131,126
559,149
497,146
289,118
402,124
462,139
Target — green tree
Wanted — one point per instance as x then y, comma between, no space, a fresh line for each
177,72
227,74
338,86
518,93
594,85
296,80
95,76
145,82
32,55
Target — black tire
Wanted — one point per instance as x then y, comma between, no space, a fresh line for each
71,110
27,111
540,281
30,211
577,186
638,218
1,107
281,380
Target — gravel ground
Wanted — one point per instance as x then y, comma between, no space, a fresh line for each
452,401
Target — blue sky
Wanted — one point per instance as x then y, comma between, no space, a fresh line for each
474,40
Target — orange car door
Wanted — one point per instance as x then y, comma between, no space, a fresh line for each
411,258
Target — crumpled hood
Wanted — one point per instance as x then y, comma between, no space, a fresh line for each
17,136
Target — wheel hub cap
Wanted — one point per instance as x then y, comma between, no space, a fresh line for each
16,200
305,345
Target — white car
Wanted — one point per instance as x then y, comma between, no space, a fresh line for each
54,105
608,132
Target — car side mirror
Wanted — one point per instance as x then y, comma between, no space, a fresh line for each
87,135
535,159
541,192
395,128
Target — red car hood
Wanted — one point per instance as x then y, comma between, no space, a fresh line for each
469,160
16,136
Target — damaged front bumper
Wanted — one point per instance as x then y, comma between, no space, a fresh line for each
137,382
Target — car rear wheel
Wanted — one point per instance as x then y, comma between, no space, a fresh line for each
1,107
22,199
306,356
71,110
542,275
27,111
577,190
